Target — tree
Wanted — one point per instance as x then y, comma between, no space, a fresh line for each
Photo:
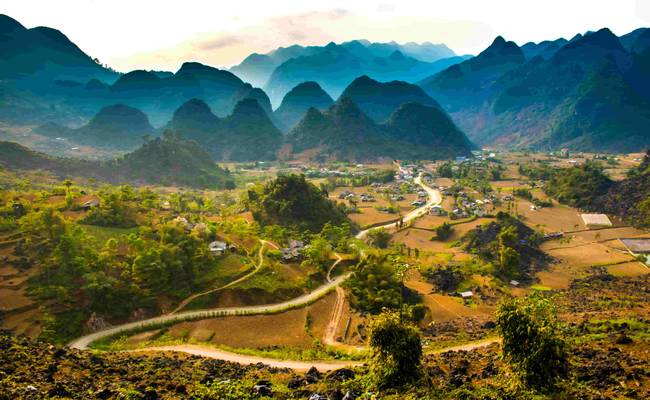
444,231
379,238
318,253
532,341
396,350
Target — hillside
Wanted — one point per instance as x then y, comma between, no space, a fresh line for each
114,127
344,132
44,53
169,160
300,99
379,100
258,68
586,94
292,201
336,66
172,160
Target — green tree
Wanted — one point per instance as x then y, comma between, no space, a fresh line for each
444,231
531,340
396,350
379,238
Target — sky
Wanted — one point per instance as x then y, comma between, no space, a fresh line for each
162,34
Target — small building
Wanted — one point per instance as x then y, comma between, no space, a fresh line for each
218,247
90,204
418,203
596,220
437,210
294,251
514,282
466,295
637,246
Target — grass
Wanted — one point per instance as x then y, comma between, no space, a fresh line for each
103,233
317,352
541,288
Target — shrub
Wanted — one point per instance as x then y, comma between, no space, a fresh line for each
397,350
532,342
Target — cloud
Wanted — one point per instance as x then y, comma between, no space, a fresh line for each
226,48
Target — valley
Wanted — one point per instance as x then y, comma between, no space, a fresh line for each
353,220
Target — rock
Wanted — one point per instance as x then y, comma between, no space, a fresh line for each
341,375
623,339
96,323
295,382
317,396
263,388
489,325
312,376
348,396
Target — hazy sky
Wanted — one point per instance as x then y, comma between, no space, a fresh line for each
161,34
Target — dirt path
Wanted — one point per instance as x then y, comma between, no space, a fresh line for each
260,253
84,342
295,365
245,359
330,330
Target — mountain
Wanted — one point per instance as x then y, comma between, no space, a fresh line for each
545,49
258,68
335,66
169,160
345,133
605,113
379,100
195,120
114,127
172,160
44,53
248,134
428,128
591,94
301,98
257,94
636,41
469,81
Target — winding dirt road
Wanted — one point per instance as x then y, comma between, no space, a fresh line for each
260,253
84,342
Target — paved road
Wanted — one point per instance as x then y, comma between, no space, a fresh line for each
435,198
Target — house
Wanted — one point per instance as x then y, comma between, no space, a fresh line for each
514,283
638,247
218,247
294,250
90,204
165,205
596,220
466,295
437,210
553,235
418,203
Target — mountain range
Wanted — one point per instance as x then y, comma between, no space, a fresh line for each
258,68
590,92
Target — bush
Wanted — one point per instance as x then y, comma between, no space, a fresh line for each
444,231
532,342
397,351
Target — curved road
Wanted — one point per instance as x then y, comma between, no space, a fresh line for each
187,301
84,342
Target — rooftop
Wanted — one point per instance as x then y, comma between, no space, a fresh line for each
637,246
